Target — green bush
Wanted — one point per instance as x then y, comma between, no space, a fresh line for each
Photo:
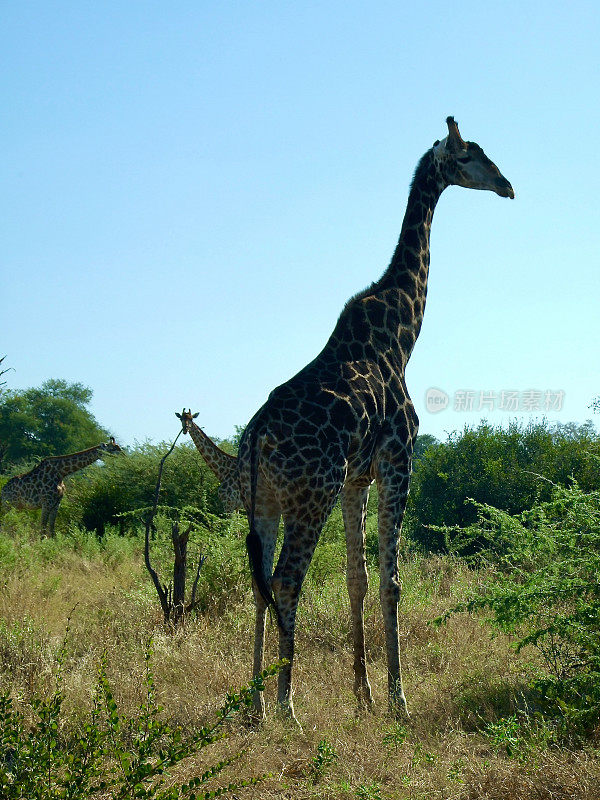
323,758
544,590
22,552
100,495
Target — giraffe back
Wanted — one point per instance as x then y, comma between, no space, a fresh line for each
32,488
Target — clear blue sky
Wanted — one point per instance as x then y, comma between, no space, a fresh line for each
192,190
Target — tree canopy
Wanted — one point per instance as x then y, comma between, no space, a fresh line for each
50,420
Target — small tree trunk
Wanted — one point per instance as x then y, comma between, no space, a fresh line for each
180,543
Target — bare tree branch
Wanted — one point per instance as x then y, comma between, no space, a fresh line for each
3,372
192,604
159,479
172,597
163,594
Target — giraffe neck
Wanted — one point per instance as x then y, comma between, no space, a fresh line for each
384,320
66,465
218,460
408,271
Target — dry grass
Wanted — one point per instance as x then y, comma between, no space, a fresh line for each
457,678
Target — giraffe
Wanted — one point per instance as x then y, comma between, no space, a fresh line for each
344,421
221,463
43,487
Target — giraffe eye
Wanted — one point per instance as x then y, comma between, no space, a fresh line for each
464,160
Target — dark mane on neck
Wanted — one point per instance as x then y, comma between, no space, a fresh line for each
421,169
70,455
423,180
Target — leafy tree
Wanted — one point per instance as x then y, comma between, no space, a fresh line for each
50,420
508,468
237,436
423,443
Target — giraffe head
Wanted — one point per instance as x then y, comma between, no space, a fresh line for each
465,164
110,447
186,418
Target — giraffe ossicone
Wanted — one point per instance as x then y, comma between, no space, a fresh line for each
344,421
43,487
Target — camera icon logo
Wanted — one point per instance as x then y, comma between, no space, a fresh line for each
436,400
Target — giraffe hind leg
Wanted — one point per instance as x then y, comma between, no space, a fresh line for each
266,528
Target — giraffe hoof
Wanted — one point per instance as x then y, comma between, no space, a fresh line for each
364,698
256,714
399,708
286,714
253,718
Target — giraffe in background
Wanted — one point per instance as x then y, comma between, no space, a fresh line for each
43,487
221,463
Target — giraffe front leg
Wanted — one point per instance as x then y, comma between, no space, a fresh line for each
393,493
50,509
354,506
44,520
286,597
52,518
49,512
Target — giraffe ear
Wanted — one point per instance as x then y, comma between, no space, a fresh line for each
178,415
112,440
195,415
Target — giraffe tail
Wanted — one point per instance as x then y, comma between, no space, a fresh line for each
254,545
255,555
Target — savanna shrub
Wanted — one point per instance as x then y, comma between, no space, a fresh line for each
222,545
44,757
544,590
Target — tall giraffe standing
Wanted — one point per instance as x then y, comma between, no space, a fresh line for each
221,463
344,421
43,487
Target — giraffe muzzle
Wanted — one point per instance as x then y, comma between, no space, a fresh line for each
503,188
